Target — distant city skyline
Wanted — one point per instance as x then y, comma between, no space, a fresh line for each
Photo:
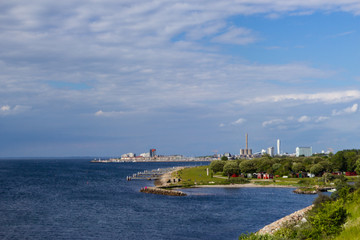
81,78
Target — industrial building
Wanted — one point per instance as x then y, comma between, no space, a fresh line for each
247,152
303,151
270,151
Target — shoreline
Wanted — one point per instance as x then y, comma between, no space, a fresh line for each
163,179
267,229
245,185
292,218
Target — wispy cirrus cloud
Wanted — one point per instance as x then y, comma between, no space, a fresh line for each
325,97
241,36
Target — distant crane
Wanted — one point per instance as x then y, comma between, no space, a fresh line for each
215,153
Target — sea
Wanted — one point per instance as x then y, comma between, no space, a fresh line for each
77,199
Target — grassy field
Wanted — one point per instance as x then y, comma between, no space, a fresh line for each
198,176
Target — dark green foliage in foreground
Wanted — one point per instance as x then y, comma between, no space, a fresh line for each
328,219
324,221
253,236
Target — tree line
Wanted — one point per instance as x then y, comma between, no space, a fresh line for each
342,161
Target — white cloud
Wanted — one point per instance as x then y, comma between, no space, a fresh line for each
304,119
109,114
8,110
321,119
239,121
5,108
241,36
221,125
272,122
325,97
348,110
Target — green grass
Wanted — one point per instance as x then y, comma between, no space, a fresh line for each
352,225
198,175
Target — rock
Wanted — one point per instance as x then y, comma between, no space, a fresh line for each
290,219
160,191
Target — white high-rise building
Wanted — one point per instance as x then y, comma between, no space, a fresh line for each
270,151
303,151
278,147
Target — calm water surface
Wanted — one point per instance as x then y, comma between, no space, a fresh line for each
76,199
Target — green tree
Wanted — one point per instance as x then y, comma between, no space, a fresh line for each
276,166
231,167
298,167
357,166
224,158
264,165
248,166
217,166
316,169
338,161
350,158
327,165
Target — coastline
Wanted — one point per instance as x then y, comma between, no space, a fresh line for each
267,229
163,180
292,218
245,185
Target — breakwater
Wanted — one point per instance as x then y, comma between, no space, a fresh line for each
160,191
289,219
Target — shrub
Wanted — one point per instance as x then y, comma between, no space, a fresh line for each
328,219
321,198
253,236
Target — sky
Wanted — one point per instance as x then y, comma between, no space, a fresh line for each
104,78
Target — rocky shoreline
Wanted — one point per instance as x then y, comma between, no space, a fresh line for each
160,191
289,219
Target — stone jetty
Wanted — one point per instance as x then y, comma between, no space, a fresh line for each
160,191
290,219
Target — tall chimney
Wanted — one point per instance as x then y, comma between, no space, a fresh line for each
246,135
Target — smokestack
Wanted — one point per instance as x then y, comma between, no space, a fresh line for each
246,135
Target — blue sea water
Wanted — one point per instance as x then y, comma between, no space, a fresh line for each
76,199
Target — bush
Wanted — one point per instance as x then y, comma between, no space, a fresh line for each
321,198
253,236
328,219
342,191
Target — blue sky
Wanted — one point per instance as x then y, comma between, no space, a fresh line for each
102,78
